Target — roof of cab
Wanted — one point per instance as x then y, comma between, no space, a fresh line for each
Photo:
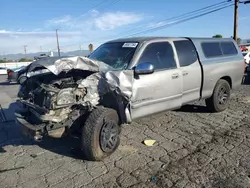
138,39
150,38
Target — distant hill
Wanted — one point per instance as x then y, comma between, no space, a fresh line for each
32,55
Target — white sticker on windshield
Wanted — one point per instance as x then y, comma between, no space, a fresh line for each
130,45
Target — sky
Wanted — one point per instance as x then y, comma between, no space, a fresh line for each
81,22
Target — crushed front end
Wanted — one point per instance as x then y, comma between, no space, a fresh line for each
50,102
57,92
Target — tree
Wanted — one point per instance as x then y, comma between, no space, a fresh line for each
217,36
2,61
91,47
24,60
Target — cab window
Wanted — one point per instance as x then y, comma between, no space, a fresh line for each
186,52
160,55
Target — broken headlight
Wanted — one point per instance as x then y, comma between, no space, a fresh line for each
65,96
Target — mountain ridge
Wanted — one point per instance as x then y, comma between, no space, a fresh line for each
32,55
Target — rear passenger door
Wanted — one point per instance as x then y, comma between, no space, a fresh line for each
161,90
190,70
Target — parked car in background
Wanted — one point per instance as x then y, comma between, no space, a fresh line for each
3,70
243,48
246,56
13,74
124,80
41,56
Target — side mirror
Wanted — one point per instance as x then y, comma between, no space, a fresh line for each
144,68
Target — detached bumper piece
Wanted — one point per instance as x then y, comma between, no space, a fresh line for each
34,132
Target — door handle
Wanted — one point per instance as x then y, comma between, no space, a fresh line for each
174,76
185,73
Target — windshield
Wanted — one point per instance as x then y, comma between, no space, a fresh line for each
117,54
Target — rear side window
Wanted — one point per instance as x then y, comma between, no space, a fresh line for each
186,52
160,55
228,48
211,49
216,49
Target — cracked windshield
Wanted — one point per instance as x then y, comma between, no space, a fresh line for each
117,55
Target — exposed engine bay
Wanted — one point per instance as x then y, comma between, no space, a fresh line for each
56,96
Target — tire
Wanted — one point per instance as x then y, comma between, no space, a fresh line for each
219,102
100,122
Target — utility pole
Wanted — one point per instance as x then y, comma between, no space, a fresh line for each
236,11
25,49
80,47
236,5
58,48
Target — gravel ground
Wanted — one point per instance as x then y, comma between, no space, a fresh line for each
193,148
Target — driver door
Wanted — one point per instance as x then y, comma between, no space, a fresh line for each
160,90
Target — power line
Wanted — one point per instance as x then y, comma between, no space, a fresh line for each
112,2
97,5
100,4
186,17
218,7
177,22
186,14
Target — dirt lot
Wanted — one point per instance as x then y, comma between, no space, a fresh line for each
194,148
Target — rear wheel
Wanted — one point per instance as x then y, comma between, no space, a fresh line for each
100,134
220,99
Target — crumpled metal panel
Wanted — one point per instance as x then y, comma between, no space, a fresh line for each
93,89
104,79
57,65
121,81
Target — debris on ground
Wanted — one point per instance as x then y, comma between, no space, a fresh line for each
153,179
149,142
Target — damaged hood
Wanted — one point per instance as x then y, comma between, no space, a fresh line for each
56,65
119,81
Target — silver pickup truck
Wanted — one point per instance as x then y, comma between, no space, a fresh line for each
121,81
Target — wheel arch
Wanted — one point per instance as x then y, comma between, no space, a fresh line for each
228,79
117,102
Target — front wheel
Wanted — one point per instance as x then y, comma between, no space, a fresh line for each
100,134
219,101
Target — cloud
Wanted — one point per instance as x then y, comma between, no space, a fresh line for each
37,33
96,21
244,18
110,21
12,42
60,20
155,24
3,31
93,13
92,27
